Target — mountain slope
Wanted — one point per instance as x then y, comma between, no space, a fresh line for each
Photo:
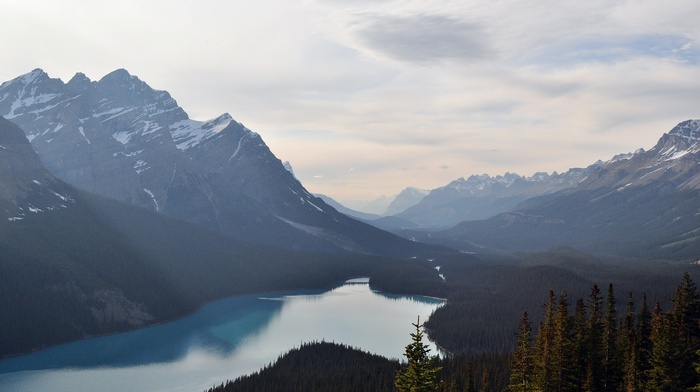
119,138
364,216
405,199
641,204
26,186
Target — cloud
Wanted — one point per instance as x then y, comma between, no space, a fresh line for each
621,48
422,38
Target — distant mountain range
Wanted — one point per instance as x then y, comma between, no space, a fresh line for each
646,203
119,138
482,196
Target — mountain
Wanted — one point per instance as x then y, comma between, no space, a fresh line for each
119,138
646,204
482,196
375,206
405,199
365,216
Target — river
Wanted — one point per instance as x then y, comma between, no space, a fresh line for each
221,341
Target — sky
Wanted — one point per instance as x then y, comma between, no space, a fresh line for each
367,97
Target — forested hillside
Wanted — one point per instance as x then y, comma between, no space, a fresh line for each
324,366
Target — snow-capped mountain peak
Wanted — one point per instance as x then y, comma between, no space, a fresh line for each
120,138
689,131
680,141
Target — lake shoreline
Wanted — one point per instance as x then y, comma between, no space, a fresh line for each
226,339
201,306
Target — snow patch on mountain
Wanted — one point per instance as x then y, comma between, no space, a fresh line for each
141,166
189,133
82,132
123,137
242,141
153,197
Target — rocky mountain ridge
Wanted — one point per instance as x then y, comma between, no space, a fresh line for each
646,203
120,138
482,196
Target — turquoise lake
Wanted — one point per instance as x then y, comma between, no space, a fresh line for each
221,341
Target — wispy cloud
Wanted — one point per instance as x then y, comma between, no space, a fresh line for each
422,38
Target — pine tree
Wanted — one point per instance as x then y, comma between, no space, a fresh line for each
470,379
612,365
686,310
420,372
664,373
594,343
522,364
485,384
628,350
563,363
579,333
686,323
545,377
643,333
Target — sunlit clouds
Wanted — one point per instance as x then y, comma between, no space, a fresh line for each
368,97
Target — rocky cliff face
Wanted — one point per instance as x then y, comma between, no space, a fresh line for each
119,138
26,187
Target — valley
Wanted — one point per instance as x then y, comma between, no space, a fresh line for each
119,212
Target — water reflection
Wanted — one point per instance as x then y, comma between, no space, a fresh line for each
162,343
221,341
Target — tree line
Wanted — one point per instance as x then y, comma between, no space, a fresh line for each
591,348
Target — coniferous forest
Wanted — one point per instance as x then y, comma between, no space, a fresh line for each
589,347
593,343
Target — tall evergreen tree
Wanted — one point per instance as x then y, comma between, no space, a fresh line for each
686,322
664,373
563,363
579,333
420,372
522,364
643,330
485,384
594,343
545,377
594,346
470,379
686,310
628,349
612,364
